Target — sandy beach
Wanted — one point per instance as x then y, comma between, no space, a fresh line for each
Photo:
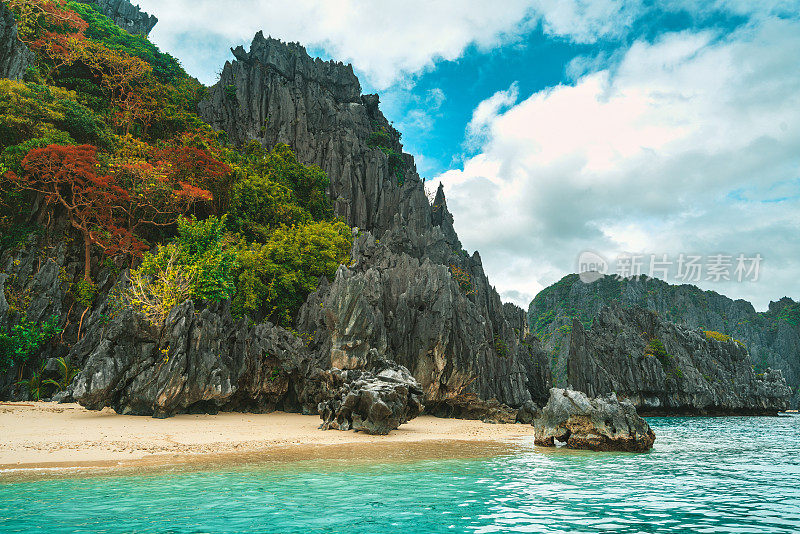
41,436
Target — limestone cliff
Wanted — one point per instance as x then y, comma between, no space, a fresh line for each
772,338
276,93
411,293
127,16
15,56
665,368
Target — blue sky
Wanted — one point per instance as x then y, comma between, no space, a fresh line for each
560,126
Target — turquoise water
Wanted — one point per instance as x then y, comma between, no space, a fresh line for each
704,475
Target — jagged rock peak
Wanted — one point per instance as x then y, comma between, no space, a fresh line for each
127,16
15,57
441,216
292,59
781,304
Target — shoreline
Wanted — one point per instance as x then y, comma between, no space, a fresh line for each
50,440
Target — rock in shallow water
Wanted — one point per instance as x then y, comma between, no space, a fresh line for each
372,402
600,424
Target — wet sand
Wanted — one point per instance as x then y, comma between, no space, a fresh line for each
48,439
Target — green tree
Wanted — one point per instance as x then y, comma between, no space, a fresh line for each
259,204
198,264
308,183
276,277
25,338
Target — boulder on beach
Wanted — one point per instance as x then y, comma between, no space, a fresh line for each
374,402
599,424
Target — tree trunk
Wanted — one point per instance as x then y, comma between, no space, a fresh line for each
87,256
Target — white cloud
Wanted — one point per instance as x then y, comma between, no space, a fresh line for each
386,41
486,113
690,144
584,21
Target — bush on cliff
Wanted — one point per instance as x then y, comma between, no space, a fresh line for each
719,336
24,340
275,189
108,112
198,264
275,278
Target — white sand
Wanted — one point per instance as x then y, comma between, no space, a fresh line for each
36,435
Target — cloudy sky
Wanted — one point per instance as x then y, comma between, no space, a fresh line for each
564,126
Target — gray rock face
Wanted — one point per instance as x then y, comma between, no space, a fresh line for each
126,15
390,303
15,56
772,337
374,402
666,368
200,361
276,93
411,293
35,282
600,424
470,406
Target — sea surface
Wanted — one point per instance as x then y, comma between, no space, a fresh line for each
727,474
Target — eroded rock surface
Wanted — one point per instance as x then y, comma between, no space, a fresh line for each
664,368
127,16
15,56
374,402
772,337
397,303
412,293
201,360
599,424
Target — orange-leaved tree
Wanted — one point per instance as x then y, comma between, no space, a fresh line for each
197,169
50,28
67,176
155,196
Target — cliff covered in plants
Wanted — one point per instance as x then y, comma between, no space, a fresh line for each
261,244
117,197
133,225
772,338
664,368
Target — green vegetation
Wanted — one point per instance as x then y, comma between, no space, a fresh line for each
13,235
274,189
230,92
500,347
198,264
656,348
463,279
383,140
67,373
25,339
102,29
379,139
35,384
84,292
558,301
34,116
789,313
275,277
103,132
711,334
